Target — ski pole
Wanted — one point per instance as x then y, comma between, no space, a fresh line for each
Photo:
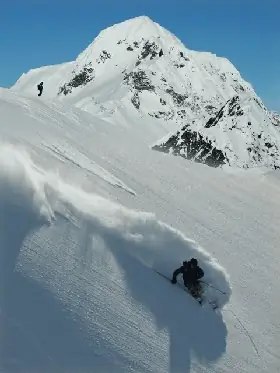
211,286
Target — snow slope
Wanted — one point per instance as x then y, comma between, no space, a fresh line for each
87,211
139,70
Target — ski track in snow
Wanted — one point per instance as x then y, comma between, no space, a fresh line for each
92,167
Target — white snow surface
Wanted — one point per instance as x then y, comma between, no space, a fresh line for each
88,212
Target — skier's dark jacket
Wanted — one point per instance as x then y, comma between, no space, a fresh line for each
190,274
40,88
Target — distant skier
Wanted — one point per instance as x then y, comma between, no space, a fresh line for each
192,273
160,53
40,88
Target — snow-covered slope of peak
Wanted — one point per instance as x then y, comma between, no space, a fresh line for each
240,134
52,75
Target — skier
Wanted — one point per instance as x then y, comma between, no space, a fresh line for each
40,88
192,273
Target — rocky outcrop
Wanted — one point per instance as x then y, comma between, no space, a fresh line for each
192,145
239,134
82,78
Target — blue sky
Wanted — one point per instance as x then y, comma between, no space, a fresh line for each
43,32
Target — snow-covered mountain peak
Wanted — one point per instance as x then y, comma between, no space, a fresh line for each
139,70
131,29
139,63
139,46
122,33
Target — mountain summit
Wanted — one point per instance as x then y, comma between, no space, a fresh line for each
138,69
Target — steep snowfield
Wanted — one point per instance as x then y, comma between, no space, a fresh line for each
88,211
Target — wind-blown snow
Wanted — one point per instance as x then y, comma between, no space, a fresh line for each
143,237
22,203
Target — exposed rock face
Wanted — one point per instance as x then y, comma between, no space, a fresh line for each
192,145
79,79
239,134
275,118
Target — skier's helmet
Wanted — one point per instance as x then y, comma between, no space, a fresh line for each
193,261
